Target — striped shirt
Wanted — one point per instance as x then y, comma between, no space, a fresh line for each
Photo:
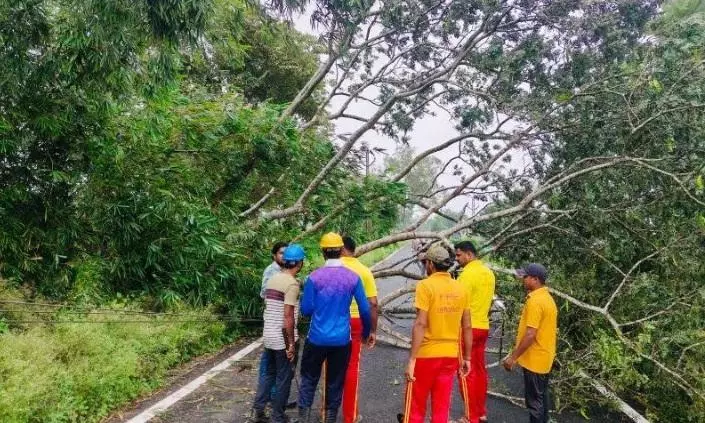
282,289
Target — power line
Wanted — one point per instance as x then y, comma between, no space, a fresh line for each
106,312
93,310
52,322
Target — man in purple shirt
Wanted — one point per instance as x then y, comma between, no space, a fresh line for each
328,293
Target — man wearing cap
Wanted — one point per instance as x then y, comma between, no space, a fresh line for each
279,336
350,400
536,341
479,281
328,293
442,313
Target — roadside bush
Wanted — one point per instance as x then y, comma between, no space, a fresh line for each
82,371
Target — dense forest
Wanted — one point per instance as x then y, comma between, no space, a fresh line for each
152,151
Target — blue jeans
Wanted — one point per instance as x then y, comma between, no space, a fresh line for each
279,373
263,366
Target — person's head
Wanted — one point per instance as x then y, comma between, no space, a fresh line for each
437,259
465,252
293,258
331,245
533,276
349,246
278,251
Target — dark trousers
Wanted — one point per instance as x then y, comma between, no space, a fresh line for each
536,396
263,366
279,373
336,359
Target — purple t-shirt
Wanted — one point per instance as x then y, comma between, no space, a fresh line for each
328,292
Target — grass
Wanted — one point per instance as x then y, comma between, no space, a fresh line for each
80,372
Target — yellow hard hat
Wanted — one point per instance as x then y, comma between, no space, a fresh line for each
331,240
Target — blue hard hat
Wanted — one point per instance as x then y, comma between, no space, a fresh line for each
294,252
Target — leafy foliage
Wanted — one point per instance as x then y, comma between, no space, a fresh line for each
630,240
128,169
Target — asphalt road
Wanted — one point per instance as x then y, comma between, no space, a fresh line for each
228,396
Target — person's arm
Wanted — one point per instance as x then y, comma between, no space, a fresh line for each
288,331
417,333
466,324
534,313
423,304
528,339
371,292
374,313
308,299
265,277
364,308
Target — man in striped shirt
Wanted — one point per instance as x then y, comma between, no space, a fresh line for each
281,298
274,267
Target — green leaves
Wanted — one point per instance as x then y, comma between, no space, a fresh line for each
699,183
655,86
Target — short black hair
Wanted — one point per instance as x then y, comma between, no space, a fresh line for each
442,267
277,246
291,264
331,253
466,246
349,243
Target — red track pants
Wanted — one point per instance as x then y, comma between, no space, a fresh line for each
434,376
352,376
473,387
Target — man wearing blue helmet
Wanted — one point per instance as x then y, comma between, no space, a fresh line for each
281,298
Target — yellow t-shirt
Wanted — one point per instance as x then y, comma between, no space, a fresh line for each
540,312
444,299
479,280
368,281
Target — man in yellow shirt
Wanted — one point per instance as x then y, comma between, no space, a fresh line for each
479,281
535,347
353,373
442,312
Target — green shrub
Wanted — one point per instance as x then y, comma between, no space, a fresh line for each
81,371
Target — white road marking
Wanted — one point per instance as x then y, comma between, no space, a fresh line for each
170,400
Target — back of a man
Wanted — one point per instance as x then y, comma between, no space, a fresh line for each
334,287
479,281
279,338
443,314
535,348
282,289
328,293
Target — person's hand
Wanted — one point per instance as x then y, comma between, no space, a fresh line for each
291,353
465,368
508,363
371,340
410,370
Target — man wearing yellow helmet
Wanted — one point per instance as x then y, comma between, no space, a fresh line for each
328,293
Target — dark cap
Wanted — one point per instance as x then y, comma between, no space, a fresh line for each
533,269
